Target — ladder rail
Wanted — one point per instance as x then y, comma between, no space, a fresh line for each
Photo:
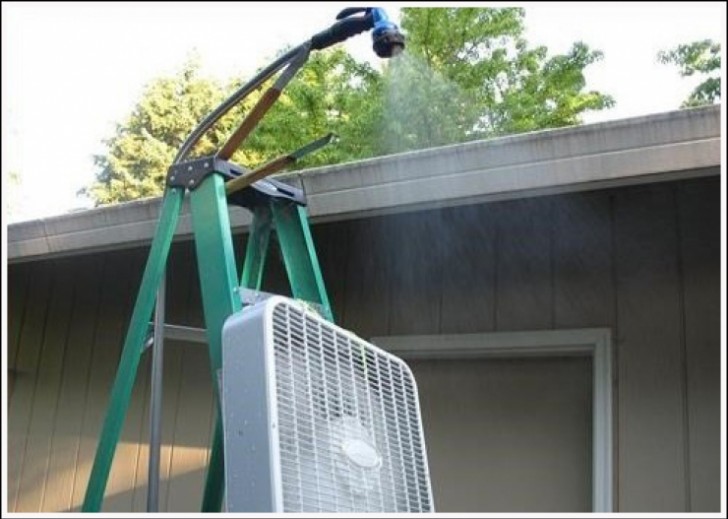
132,350
220,299
155,399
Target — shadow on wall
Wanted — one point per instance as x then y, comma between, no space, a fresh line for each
126,490
168,502
51,446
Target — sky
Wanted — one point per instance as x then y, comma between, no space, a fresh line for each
71,71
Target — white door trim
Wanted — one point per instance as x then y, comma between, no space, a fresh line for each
594,342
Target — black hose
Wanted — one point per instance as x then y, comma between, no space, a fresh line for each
231,101
338,32
341,31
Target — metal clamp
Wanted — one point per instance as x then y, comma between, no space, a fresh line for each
191,173
260,192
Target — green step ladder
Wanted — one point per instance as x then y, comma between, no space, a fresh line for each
213,182
221,297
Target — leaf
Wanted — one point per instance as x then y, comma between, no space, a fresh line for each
700,57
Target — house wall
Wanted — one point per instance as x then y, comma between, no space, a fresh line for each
642,260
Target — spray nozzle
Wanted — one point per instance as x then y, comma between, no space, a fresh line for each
386,36
388,40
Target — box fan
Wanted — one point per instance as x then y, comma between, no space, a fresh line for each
316,419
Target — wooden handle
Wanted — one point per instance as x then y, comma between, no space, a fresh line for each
249,123
263,171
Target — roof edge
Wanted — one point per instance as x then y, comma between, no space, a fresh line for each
664,146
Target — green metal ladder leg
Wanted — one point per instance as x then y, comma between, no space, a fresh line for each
257,248
133,348
299,255
220,299
252,277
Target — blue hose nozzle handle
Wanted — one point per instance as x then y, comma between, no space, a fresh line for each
388,40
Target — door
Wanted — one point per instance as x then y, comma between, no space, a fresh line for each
508,435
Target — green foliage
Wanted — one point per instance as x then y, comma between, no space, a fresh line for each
502,85
701,57
144,145
467,74
332,93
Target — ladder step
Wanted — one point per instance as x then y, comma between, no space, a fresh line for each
179,333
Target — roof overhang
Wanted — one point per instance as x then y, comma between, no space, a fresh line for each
667,146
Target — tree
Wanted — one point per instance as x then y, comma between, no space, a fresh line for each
332,93
320,99
475,76
701,57
143,146
467,74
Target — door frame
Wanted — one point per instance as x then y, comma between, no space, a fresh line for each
593,342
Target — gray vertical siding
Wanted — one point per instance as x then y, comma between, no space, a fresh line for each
61,480
469,269
524,298
584,284
642,260
649,312
698,209
20,406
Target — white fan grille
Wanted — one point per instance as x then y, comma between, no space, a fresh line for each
349,422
